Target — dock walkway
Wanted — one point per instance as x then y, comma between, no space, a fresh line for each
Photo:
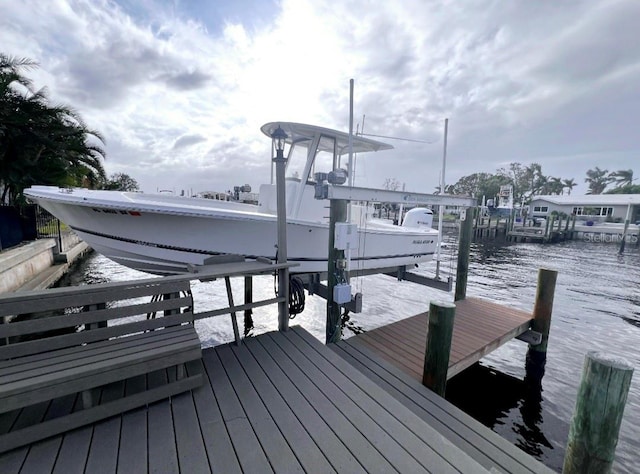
486,447
480,327
280,402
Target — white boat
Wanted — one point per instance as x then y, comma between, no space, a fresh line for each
164,234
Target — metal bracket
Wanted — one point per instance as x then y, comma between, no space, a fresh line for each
530,337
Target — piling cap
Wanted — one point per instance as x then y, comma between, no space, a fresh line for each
610,360
444,304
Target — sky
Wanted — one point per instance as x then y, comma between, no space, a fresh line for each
179,89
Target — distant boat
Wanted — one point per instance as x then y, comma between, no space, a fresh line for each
502,206
164,234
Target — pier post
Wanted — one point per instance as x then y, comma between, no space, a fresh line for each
337,213
624,232
542,309
595,424
436,356
464,247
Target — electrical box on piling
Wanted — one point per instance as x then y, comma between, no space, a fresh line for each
346,236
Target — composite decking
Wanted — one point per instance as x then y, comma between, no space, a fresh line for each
486,447
280,402
480,326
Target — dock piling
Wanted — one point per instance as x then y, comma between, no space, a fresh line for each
436,356
542,309
464,247
595,424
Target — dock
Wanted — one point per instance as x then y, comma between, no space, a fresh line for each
280,402
480,327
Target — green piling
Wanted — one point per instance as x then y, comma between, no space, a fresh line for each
464,248
595,425
436,356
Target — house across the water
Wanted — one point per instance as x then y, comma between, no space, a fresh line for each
591,207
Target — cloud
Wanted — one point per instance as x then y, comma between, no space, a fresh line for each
188,140
551,82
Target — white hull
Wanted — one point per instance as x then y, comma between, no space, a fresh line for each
164,234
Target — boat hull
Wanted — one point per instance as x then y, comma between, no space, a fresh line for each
166,239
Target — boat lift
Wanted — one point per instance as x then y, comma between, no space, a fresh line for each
339,196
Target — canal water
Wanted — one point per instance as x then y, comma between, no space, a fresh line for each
597,307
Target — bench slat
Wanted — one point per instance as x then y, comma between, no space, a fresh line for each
68,297
45,359
88,336
105,373
64,367
21,328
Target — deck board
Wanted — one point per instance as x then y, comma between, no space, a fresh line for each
281,402
480,327
483,445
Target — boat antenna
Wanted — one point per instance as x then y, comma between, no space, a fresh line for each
442,191
430,142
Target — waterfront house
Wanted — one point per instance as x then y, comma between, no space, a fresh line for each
590,207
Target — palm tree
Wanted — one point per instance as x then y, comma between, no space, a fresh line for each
569,184
621,177
40,143
598,180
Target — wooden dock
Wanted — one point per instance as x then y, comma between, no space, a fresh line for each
280,402
480,327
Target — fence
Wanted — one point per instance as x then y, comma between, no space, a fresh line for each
30,222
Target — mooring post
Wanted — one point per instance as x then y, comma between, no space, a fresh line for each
542,309
626,229
464,247
436,355
337,213
595,424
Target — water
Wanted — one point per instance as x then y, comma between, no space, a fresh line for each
597,307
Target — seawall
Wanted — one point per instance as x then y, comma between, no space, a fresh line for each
38,264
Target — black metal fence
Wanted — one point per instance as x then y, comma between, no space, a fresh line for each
27,223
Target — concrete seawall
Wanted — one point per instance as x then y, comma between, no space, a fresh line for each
38,264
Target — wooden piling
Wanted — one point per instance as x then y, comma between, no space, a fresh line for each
543,306
595,425
464,247
337,213
537,354
436,357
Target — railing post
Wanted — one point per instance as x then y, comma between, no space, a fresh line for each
436,356
248,298
464,247
595,424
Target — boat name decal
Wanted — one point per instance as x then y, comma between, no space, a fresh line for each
114,211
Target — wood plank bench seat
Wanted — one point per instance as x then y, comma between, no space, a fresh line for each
88,342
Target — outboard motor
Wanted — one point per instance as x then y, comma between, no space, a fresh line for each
420,217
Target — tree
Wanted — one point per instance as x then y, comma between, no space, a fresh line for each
627,189
121,182
598,180
40,143
621,177
479,185
569,184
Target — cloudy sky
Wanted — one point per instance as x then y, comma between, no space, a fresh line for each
180,88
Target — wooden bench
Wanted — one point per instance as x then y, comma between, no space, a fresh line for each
91,341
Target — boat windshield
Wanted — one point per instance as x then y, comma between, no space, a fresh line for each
322,162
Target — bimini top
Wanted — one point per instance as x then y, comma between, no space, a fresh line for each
299,133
